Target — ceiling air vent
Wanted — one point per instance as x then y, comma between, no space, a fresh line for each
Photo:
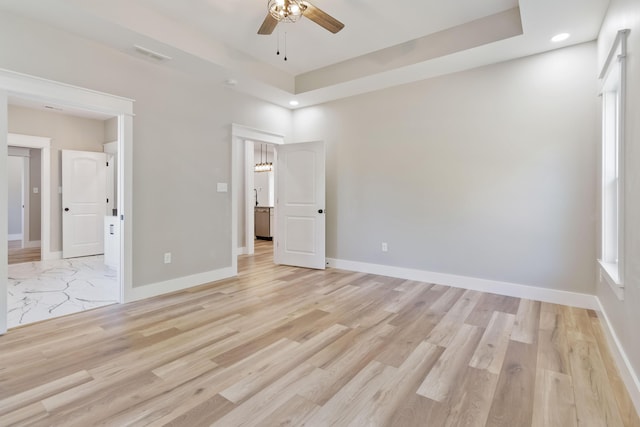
151,53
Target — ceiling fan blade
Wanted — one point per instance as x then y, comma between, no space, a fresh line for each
268,25
321,18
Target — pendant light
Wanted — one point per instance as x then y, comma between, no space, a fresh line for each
263,166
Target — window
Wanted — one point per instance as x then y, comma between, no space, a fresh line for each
611,252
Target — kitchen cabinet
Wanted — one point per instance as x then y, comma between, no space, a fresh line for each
262,223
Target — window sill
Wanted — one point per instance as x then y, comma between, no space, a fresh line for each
609,273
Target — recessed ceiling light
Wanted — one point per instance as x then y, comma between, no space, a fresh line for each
560,37
293,103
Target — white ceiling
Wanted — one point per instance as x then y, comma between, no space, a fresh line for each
384,43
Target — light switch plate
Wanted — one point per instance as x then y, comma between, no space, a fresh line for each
35,190
222,187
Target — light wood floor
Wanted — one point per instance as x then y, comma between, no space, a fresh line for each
18,255
286,346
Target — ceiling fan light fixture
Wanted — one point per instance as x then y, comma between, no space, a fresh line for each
291,11
286,10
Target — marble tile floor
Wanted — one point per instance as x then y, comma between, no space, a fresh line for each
46,289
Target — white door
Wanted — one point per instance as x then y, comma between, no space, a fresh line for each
83,203
300,205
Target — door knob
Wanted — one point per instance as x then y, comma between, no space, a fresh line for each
66,209
320,211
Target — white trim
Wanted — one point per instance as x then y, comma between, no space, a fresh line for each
621,39
125,203
53,256
613,272
18,151
37,88
180,283
110,147
246,132
4,223
625,368
249,206
12,237
241,251
608,273
491,286
28,141
44,145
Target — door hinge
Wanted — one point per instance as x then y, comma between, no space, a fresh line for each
107,164
107,200
121,217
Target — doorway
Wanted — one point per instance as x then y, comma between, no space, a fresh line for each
16,85
301,231
242,195
16,202
23,223
263,191
35,245
75,275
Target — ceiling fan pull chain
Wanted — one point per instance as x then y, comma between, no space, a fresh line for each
278,42
285,45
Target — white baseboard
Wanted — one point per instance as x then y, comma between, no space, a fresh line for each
32,244
12,237
241,251
178,284
628,374
502,288
49,256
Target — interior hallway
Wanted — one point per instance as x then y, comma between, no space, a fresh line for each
18,254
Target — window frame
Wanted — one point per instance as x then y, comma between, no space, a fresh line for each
612,91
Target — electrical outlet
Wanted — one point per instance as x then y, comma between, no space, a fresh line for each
167,258
385,247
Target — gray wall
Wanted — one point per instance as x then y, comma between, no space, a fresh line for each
181,148
15,166
625,315
66,133
488,173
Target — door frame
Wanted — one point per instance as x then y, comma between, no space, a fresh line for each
44,145
49,91
241,138
26,183
21,160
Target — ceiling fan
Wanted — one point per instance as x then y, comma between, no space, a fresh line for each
292,10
